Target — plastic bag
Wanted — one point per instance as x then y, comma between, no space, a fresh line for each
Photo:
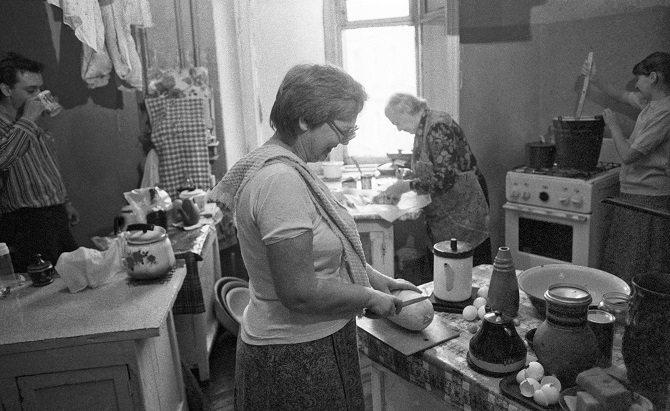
87,267
143,200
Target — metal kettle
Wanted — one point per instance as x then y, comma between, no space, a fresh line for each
497,349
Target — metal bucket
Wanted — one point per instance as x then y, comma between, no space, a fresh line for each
578,141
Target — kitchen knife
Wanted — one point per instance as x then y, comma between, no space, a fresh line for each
404,304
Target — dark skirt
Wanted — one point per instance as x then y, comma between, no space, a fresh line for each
317,375
637,242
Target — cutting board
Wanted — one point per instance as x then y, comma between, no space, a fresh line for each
405,341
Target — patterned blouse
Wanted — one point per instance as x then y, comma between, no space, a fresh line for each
447,151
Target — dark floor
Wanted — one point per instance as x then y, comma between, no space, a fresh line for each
217,393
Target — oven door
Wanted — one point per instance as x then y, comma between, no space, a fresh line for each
538,236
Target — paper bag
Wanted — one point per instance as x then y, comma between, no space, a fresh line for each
87,267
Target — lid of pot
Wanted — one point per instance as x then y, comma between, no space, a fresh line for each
145,234
453,249
568,294
38,265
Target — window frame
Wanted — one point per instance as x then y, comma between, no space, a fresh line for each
421,13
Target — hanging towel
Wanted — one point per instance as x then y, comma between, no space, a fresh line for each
150,177
121,46
179,136
84,18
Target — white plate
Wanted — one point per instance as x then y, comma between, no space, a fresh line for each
190,227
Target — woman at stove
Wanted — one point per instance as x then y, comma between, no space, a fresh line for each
639,242
443,166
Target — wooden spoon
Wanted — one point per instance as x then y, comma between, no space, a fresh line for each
585,87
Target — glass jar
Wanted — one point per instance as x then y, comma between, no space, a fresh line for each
617,304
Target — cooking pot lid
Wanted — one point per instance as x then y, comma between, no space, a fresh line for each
145,234
453,249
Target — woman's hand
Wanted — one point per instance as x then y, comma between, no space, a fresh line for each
386,284
397,189
610,119
383,305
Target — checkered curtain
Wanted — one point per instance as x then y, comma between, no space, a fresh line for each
179,135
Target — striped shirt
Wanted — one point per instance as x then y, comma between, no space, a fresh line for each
29,175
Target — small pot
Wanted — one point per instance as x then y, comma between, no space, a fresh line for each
40,271
198,196
148,253
540,155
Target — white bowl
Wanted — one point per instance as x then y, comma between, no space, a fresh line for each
222,314
237,300
535,281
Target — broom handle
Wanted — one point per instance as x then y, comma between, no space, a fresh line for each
585,87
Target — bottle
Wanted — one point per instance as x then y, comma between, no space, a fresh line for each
8,279
504,287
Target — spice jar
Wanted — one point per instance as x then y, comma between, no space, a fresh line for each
617,304
565,343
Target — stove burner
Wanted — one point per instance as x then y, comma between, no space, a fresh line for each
568,172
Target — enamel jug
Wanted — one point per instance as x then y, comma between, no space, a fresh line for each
452,270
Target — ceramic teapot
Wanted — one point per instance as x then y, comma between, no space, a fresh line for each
148,252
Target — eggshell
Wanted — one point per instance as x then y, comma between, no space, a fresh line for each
535,370
528,387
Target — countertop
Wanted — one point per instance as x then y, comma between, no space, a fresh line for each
658,212
443,369
33,318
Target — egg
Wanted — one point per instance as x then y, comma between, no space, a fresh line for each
551,393
483,292
473,328
552,381
535,370
520,376
540,397
470,312
481,311
479,301
528,387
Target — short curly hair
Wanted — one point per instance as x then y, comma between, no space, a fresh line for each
655,62
405,103
13,63
315,93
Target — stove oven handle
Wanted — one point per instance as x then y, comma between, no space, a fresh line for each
545,212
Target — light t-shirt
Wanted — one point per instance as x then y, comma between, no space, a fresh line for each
273,206
651,137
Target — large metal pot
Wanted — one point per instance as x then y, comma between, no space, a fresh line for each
148,253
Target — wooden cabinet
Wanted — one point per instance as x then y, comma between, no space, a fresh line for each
377,238
113,347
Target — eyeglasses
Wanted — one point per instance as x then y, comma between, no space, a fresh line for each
343,136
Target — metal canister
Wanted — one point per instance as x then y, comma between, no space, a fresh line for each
602,324
51,106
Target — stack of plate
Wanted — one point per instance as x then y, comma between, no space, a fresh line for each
232,297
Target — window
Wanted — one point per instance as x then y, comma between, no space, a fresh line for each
380,43
377,46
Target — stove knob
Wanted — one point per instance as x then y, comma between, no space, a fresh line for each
526,195
577,200
544,196
515,193
564,200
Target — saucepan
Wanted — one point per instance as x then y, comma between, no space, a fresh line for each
540,155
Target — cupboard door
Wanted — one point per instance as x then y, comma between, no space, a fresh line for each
105,388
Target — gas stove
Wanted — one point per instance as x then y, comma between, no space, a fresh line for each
562,189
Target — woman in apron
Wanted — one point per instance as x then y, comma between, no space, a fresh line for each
443,166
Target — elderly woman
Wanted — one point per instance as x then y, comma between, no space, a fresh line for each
444,167
308,278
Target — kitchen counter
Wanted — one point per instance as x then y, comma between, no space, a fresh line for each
440,376
113,345
658,212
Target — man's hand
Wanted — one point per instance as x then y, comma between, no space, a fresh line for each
33,109
72,214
